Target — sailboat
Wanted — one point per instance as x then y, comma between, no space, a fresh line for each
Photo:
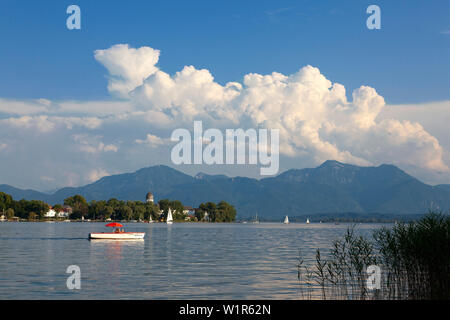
150,220
169,217
256,218
286,220
307,220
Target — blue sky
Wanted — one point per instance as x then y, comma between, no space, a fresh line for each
407,60
76,105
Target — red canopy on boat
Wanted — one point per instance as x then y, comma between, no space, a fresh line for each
114,224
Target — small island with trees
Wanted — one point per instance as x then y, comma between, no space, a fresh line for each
77,208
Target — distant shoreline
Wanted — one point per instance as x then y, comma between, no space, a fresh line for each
206,222
313,218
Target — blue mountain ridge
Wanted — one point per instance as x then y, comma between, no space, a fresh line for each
330,188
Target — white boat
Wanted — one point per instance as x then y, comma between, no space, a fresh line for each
169,217
151,220
117,234
307,220
286,220
256,218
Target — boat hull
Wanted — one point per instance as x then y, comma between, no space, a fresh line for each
117,236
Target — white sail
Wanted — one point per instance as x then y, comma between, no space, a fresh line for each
286,220
169,217
256,218
307,220
150,220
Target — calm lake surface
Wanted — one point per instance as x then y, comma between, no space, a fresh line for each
179,261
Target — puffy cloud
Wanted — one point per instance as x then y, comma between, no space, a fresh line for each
70,122
96,174
128,67
28,107
315,119
47,179
433,116
10,107
98,108
45,123
40,124
92,144
189,93
152,141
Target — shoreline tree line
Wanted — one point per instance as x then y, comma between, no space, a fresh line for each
115,209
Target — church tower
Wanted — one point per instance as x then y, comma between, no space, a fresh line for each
149,198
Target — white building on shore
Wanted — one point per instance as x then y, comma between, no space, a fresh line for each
52,213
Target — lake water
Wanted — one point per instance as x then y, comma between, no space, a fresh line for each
179,261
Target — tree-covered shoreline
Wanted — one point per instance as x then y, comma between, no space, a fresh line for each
77,208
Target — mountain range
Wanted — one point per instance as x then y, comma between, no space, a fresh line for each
331,188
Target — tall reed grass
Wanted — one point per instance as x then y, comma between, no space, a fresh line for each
414,259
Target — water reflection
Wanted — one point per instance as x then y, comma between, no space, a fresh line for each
111,258
169,249
115,250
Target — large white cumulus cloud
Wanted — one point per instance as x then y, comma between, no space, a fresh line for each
314,116
47,144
